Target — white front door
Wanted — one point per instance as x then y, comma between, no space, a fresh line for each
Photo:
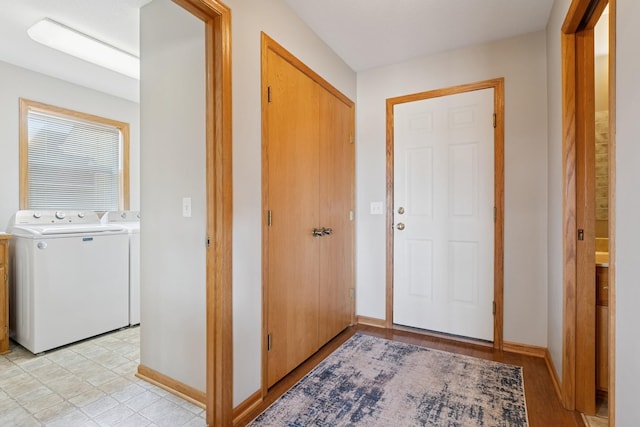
444,214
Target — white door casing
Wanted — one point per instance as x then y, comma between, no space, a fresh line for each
444,197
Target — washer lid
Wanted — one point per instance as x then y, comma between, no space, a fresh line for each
64,229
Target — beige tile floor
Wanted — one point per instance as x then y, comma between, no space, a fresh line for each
90,383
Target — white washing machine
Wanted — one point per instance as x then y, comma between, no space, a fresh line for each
70,278
130,220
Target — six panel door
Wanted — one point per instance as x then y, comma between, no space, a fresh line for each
444,214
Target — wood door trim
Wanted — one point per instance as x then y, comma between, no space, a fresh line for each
498,283
569,219
219,332
578,373
585,220
612,212
268,44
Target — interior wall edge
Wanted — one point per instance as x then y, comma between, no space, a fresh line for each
184,391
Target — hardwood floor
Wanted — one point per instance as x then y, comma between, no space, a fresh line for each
543,406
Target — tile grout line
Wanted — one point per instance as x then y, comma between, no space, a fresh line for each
104,367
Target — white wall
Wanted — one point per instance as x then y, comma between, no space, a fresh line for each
173,263
15,83
522,62
173,315
627,214
555,183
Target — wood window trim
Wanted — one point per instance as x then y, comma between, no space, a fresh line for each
219,332
498,86
578,349
27,105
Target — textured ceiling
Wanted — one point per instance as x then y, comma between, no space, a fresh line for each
373,33
364,33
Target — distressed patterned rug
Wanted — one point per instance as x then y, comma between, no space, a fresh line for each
370,381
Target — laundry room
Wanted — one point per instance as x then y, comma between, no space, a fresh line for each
71,216
45,169
75,223
61,239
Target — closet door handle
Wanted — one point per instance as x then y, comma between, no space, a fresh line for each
318,233
327,231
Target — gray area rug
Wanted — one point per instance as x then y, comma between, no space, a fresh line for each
370,381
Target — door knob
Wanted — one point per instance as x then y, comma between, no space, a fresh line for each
317,232
400,226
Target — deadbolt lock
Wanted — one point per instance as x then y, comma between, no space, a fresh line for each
401,210
400,226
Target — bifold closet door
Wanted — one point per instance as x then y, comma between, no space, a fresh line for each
293,251
337,159
309,193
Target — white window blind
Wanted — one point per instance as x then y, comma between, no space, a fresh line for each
73,164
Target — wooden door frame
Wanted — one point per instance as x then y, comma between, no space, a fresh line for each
219,334
498,264
269,44
578,364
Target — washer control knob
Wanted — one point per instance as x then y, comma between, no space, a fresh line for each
42,245
80,214
37,215
60,215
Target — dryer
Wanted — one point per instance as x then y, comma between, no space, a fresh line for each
70,278
130,220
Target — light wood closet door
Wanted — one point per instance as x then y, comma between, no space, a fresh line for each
309,176
337,158
293,251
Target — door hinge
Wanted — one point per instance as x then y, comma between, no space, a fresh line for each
580,234
495,120
494,308
351,139
208,242
269,342
269,218
352,293
495,213
351,216
268,93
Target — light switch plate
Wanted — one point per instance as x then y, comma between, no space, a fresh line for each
186,207
377,208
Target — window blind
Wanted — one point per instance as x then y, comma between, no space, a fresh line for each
73,164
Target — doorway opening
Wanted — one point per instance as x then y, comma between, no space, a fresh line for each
219,341
588,168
